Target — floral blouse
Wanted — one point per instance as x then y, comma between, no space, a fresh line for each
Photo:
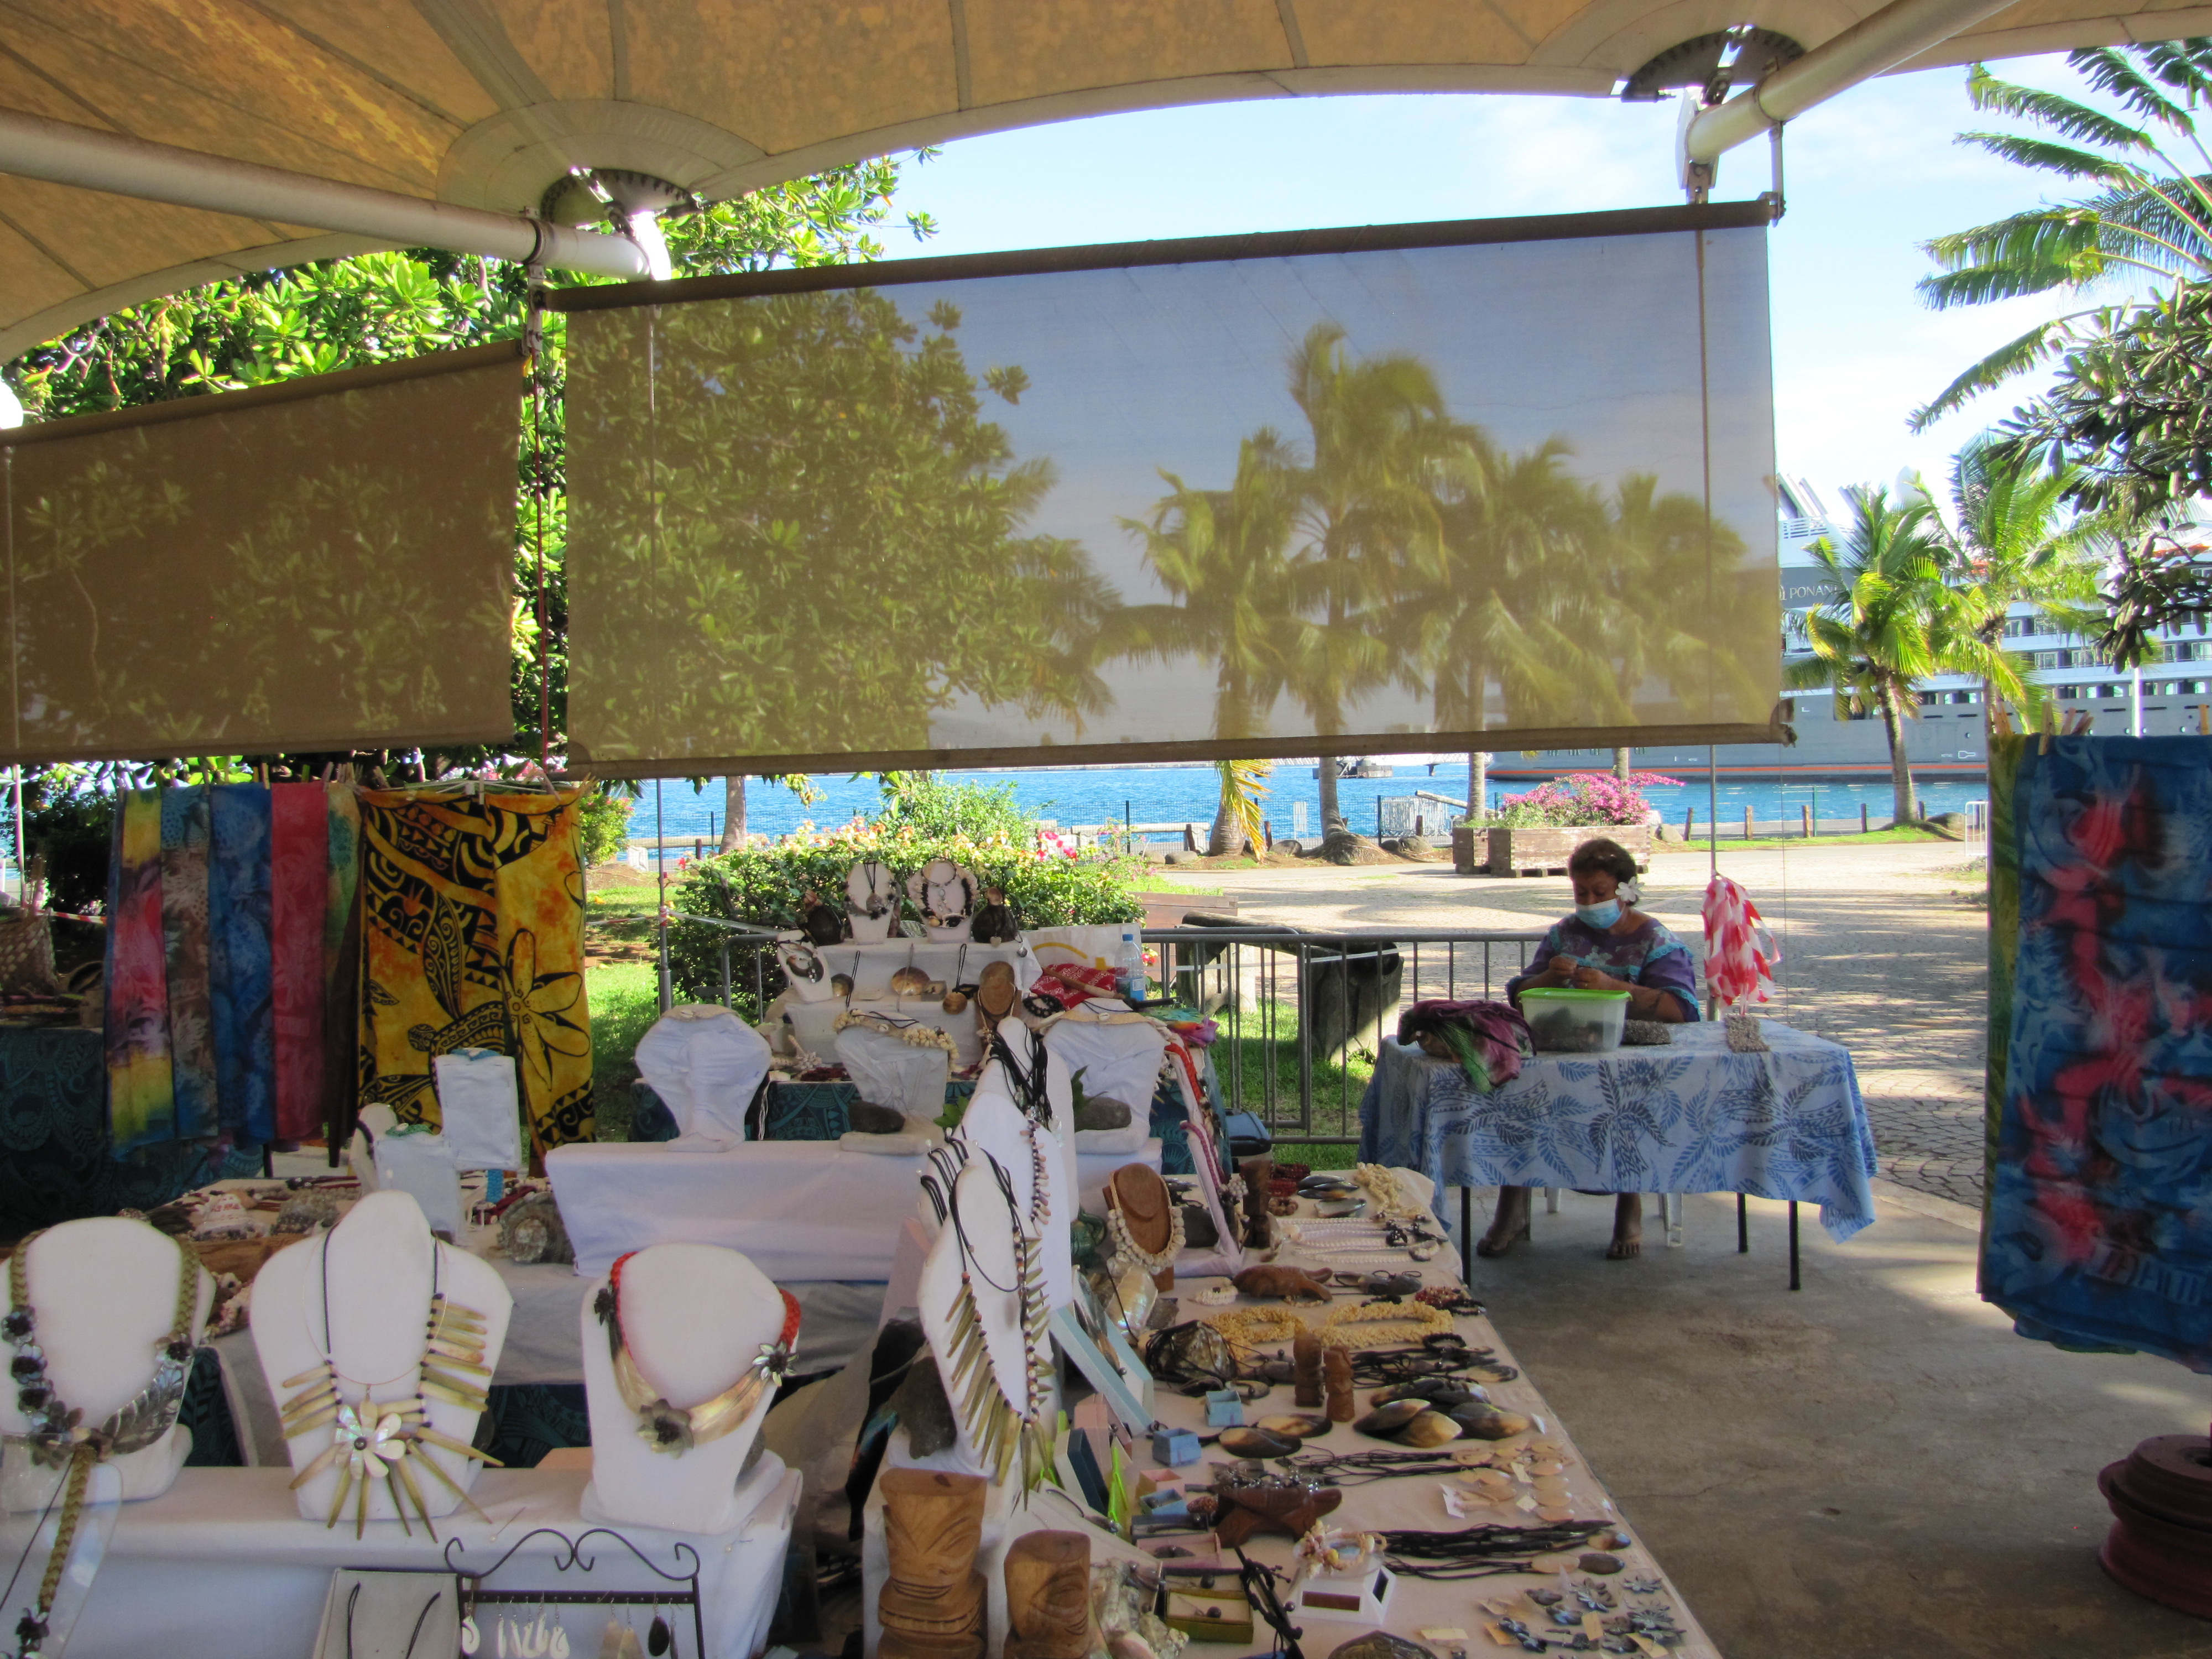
1650,955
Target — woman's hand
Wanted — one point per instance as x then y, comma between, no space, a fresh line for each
1589,979
1560,970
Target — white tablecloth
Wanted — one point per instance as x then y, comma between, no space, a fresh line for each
221,1566
800,1209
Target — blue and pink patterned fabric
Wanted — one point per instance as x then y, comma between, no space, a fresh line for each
2098,1235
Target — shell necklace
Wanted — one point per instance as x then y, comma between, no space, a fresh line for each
388,1439
59,1438
676,1429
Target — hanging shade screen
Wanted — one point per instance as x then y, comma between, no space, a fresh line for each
324,564
1502,484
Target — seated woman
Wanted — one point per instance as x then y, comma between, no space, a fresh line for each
1608,945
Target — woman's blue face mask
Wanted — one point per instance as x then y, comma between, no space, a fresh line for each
1600,916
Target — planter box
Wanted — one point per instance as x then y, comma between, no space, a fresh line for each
1545,851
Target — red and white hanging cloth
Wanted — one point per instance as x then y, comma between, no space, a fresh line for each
1740,949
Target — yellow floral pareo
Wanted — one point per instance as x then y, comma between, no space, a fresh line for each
472,922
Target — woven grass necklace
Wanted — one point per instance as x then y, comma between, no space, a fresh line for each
59,1439
375,1440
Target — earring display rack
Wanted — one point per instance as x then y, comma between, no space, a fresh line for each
570,1557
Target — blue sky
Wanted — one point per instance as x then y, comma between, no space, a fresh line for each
1869,175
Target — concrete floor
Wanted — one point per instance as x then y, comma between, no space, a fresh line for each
1872,1467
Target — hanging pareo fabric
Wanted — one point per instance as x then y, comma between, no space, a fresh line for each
2100,1230
473,912
141,1107
1740,951
222,976
184,939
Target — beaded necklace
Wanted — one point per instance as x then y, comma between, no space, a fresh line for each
388,1439
676,1429
59,1439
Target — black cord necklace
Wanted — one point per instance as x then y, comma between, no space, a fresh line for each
967,1248
1028,1081
1485,1552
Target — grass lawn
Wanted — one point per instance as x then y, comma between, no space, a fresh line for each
1337,1088
1873,838
625,1000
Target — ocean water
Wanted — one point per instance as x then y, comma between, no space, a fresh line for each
1177,794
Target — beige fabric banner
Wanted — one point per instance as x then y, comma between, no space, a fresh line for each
1513,491
324,564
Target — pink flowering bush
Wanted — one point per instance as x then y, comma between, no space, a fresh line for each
1583,797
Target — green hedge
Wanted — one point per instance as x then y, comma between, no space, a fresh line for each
763,886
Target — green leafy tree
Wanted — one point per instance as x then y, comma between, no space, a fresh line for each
2146,216
864,567
1892,617
336,314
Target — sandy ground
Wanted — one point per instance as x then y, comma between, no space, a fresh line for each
1884,950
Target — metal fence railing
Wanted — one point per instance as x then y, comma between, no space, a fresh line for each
1299,1010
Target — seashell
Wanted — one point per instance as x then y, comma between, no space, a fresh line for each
1431,1428
909,983
841,984
1290,1283
1598,1562
1384,1421
1380,1644
1555,1561
956,1002
1295,1425
1277,1370
1487,1423
1547,1598
1441,1392
1252,1441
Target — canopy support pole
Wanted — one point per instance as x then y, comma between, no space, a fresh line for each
1900,31
64,154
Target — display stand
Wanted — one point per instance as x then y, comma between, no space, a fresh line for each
365,1290
569,1556
695,1318
105,1292
1042,1172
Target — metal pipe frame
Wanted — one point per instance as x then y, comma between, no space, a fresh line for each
62,153
1899,31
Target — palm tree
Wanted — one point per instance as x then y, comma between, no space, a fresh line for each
1220,556
2150,216
1892,618
2012,543
1369,521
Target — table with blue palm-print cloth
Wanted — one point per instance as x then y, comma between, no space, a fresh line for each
1688,1117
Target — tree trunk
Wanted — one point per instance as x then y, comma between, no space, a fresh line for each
1621,764
1478,784
733,802
1904,809
1226,837
1331,817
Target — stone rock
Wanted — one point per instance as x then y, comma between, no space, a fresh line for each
865,1117
1380,1644
1182,856
1101,1112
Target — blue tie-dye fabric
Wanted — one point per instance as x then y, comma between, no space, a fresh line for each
244,1019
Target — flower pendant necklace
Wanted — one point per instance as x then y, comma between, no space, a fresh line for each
388,1440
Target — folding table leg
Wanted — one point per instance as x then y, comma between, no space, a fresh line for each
1795,1283
1670,1211
1467,1235
1742,1226
1551,1200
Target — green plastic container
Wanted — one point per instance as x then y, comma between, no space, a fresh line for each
1567,1021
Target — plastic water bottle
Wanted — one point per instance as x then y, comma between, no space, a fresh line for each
1134,987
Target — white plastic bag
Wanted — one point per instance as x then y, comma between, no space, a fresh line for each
477,1100
421,1164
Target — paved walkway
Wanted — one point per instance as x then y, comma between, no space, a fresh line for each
1885,950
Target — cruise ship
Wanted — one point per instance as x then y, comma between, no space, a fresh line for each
1947,742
